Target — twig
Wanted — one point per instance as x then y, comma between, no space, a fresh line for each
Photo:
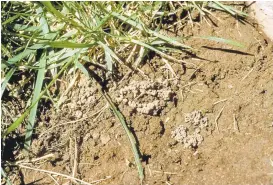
198,68
168,173
169,66
74,172
128,60
99,114
247,74
236,127
100,180
54,173
70,86
181,93
271,162
189,84
89,164
216,119
220,101
36,159
149,170
71,158
56,182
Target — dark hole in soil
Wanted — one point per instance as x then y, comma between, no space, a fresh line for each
162,131
146,157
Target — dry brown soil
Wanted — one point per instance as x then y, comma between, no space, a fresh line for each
232,87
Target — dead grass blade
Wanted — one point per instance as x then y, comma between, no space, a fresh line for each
54,173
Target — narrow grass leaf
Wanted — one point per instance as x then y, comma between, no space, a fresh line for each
68,53
36,93
27,28
103,21
109,51
170,40
153,49
20,56
19,120
122,120
130,136
69,34
222,40
37,46
109,61
43,21
5,51
82,69
154,33
128,21
6,80
229,9
16,123
4,175
11,19
55,12
67,44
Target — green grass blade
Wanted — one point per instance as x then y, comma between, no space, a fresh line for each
229,9
6,80
19,120
20,56
16,123
9,20
121,118
131,137
67,44
198,8
128,21
5,50
58,14
82,69
69,34
225,41
170,40
4,175
109,61
139,26
103,21
155,50
36,93
110,51
26,28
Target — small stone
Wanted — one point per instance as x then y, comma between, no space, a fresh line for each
86,137
125,100
230,86
105,139
78,114
95,136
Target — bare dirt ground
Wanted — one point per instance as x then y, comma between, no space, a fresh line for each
227,140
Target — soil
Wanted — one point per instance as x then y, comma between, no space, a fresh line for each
231,88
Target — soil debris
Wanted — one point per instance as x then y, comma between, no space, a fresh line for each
196,122
196,119
146,97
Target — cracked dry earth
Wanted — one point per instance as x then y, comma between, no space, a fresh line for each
211,125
